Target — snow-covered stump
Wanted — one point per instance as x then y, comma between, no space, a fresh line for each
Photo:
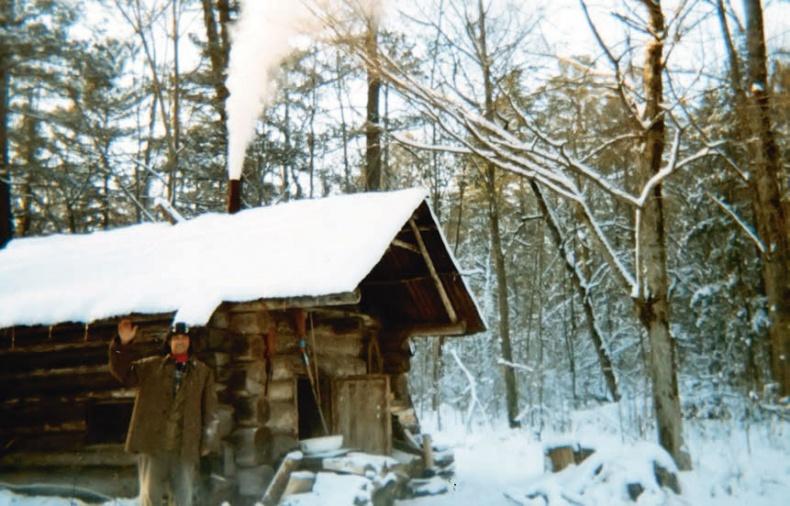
609,474
560,456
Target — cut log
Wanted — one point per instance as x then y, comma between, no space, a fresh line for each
225,417
560,457
249,444
228,460
252,481
248,347
280,444
250,410
427,452
275,490
299,482
219,320
248,378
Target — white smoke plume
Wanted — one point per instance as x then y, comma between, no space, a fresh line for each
260,41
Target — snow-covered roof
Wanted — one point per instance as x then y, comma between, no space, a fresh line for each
302,248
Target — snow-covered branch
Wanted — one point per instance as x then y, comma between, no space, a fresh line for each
739,221
475,401
514,365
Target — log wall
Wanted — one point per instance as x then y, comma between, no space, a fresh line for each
266,365
58,398
62,414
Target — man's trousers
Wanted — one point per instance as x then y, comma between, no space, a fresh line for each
165,474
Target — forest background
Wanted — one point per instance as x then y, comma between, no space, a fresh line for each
620,207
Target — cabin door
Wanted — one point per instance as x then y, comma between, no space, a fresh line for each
360,408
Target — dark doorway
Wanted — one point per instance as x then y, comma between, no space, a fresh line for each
309,416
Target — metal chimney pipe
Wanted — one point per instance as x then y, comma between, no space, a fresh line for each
234,196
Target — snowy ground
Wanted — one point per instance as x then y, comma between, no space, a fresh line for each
733,465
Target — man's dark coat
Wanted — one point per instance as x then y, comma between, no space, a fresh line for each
153,377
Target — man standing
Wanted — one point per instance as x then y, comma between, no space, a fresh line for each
174,420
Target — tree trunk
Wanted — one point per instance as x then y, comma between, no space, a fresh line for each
6,222
511,391
372,127
579,283
216,55
652,301
436,399
769,213
176,105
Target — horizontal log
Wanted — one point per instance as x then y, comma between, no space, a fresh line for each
56,441
449,329
104,456
38,413
56,355
282,390
249,445
290,366
57,381
119,482
101,330
255,322
282,417
340,318
114,395
336,299
42,427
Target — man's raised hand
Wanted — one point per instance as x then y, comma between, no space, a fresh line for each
126,331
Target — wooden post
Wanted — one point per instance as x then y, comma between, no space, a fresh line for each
448,306
427,451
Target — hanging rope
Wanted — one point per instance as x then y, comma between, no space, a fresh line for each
300,317
315,365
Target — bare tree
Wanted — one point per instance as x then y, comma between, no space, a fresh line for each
769,213
6,224
534,154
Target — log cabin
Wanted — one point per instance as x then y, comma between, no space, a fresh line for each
304,310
